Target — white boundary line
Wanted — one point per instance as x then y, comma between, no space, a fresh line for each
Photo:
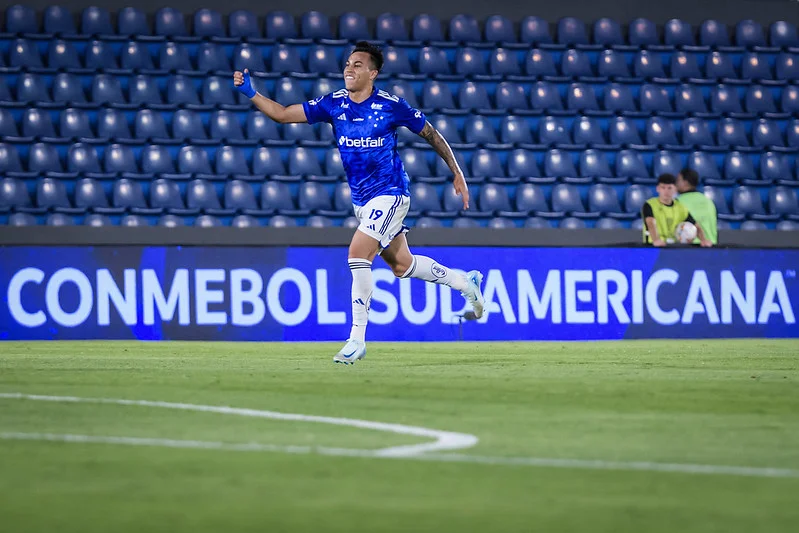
400,452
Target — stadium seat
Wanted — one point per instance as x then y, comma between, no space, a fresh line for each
21,219
630,164
106,89
276,195
342,197
243,23
607,32
280,221
473,95
753,225
786,67
558,164
655,98
24,53
21,19
239,196
60,219
225,125
648,64
390,27
540,63
9,158
433,61
530,198
731,132
13,193
571,223
230,160
783,225
724,99
719,66
660,131
666,162
8,126
245,221
485,163
749,34
82,158
201,194
31,88
576,64
313,196
425,198
714,34
689,99
783,34
426,28
67,89
211,58
303,161
684,65
611,64
299,132
602,198
156,159
132,22
759,100
89,194
499,29
594,164
695,132
135,56
143,90
746,201
44,158
635,196
120,158
619,98
478,129
266,161
535,31
111,123
464,29
774,167
333,164
281,25
515,130
415,163
504,63
553,131
193,160
716,195
62,55
608,223
169,22
643,32
678,33
704,165
437,95
150,124
353,27
522,164
588,131
187,124
289,91
510,95
247,56
286,60
51,193
755,67
37,123
208,23
174,57
100,55
580,96
537,223
622,130
571,31
165,194
783,201
765,132
469,62
738,166
545,96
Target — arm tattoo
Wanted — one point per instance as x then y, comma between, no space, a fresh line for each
441,146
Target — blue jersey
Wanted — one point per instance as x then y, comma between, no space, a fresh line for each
366,134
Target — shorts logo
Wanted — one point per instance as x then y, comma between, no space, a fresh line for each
438,270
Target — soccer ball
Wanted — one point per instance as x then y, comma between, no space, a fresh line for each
685,232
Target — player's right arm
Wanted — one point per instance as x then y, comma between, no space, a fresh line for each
651,225
270,108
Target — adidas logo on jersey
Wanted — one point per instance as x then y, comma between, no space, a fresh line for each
342,117
363,142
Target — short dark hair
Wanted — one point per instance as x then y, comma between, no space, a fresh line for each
667,179
374,52
690,175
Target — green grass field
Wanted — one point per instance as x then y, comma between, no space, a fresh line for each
660,420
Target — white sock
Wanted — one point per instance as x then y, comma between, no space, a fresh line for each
361,296
425,268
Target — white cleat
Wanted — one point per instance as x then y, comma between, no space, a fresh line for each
351,352
473,294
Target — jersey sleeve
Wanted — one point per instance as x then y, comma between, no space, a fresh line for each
318,109
646,211
405,115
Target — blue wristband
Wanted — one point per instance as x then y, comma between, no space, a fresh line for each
246,88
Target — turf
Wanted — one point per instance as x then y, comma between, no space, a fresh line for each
730,403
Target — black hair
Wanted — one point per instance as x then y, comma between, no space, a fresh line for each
690,176
374,52
667,179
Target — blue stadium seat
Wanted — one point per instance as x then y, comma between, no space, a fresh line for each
82,158
755,67
473,95
469,62
313,196
201,194
193,160
180,90
648,65
187,124
396,61
225,125
695,132
622,130
759,100
60,219
230,160
684,65
428,222
165,194
342,197
774,167
267,162
426,28
747,201
611,64
688,99
67,88
174,57
169,21
581,96
510,95
619,98
111,123
390,27
588,131
478,129
280,221
677,32
415,163
150,124
716,195
9,158
24,53
207,221
753,225
171,221
216,92
144,90
783,34
643,32
535,30
245,221
531,198
208,23
485,163
299,132
289,91
704,165
655,98
243,23
425,198
353,27
566,197
437,95
786,67
89,194
96,21
322,59
31,88
575,64
8,126
594,164
128,194
211,58
630,164
790,100
719,65
545,96
433,61
635,196
135,56
132,21
247,56
504,63
52,193
552,131
607,32
608,223
499,29
783,225
276,195
13,193
303,161
333,163
286,59
522,164
318,221
660,131
239,196
62,55
724,99
765,132
666,162
749,33
738,166
714,34
501,223
281,25
783,201
403,89
106,89
515,130
572,31
464,29
100,55
120,158
603,199
21,19
156,159
540,63
537,223
559,164
37,123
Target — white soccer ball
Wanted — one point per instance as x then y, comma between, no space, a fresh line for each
685,232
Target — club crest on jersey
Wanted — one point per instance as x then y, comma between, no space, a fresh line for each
378,107
363,142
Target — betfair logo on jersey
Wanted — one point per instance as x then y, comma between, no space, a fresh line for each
363,142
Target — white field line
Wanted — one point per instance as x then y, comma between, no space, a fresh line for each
445,440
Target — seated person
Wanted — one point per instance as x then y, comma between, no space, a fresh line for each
663,213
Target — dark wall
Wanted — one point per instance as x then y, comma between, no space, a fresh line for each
729,11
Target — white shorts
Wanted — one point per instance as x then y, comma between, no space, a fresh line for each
382,218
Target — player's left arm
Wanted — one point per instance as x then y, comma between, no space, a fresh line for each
704,242
443,149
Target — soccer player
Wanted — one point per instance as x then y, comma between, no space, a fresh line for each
365,122
663,213
700,206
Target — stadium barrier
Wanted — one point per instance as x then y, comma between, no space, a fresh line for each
293,285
